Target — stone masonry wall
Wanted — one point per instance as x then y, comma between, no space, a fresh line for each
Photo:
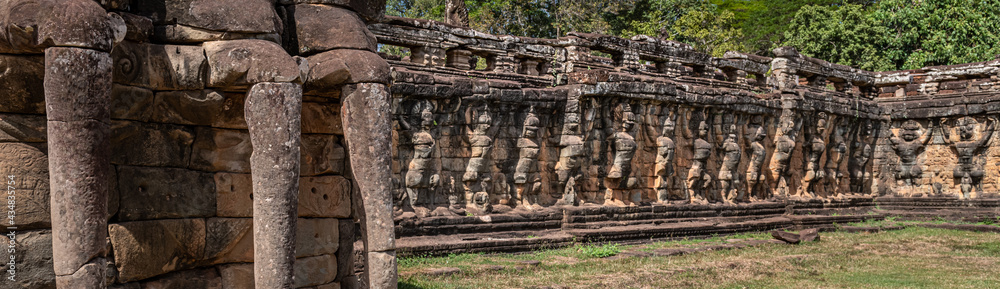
597,106
180,205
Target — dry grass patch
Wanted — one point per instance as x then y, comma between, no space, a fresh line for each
910,258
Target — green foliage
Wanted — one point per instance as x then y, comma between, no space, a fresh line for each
837,34
899,34
938,32
651,17
868,34
422,9
598,251
709,31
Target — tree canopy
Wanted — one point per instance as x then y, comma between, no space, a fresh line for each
868,34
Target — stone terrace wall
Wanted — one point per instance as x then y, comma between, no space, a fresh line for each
180,202
941,101
597,123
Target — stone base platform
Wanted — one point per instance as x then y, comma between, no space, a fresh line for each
519,231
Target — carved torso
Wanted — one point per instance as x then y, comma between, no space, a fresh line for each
423,148
702,149
757,157
816,148
481,145
965,151
664,156
624,147
732,156
907,150
783,147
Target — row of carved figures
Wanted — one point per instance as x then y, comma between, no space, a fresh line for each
622,186
910,142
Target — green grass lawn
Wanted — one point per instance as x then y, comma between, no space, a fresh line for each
910,258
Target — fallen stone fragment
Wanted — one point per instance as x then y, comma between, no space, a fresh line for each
788,237
809,235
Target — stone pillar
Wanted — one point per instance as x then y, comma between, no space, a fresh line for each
274,116
77,97
365,115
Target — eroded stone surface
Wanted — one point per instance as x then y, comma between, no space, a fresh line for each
23,92
273,113
150,248
164,193
315,34
33,25
243,62
248,16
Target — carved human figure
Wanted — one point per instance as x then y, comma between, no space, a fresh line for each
784,143
620,182
966,148
477,177
966,186
908,144
421,177
757,156
570,158
663,168
730,163
814,151
526,175
861,152
835,157
698,180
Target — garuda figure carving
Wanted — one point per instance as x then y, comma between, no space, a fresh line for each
908,144
966,148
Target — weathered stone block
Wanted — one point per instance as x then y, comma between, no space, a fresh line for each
20,83
322,154
315,34
325,196
130,102
320,117
150,144
159,193
203,278
78,188
237,276
233,195
371,10
238,63
137,28
32,25
73,96
160,67
151,248
231,114
34,260
247,16
198,107
316,270
219,150
319,236
329,70
229,240
22,128
178,33
176,67
381,269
